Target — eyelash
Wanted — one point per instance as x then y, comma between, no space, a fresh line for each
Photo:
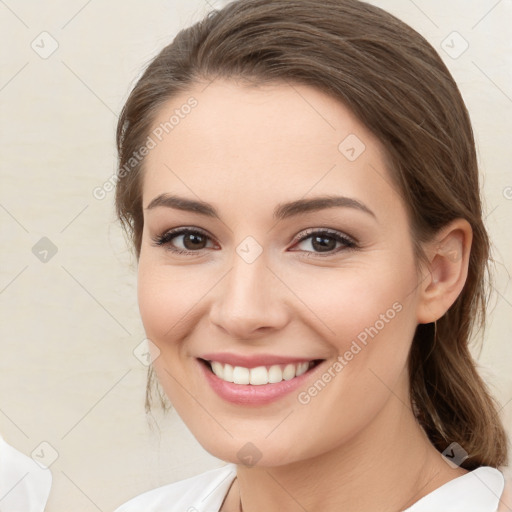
165,239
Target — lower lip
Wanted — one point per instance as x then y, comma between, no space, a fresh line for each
247,394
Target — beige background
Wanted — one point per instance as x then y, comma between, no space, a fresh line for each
68,375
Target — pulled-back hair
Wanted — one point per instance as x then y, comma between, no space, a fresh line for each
397,85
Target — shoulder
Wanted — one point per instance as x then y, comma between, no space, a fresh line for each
506,497
479,490
29,482
203,492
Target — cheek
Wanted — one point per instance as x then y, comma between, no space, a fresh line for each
357,302
155,303
166,299
166,303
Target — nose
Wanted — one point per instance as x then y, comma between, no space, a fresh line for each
250,301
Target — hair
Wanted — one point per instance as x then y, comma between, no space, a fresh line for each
397,85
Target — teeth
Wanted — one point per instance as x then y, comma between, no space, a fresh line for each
228,372
241,375
302,368
275,374
259,375
217,368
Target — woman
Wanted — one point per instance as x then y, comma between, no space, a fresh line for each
300,183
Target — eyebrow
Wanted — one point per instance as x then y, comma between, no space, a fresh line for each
281,212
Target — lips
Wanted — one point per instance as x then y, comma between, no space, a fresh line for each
255,380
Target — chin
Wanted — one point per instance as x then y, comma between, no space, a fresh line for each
253,453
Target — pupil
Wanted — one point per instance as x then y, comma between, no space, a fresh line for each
196,241
324,245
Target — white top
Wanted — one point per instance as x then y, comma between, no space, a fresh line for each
476,491
24,484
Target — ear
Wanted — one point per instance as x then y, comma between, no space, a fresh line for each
445,274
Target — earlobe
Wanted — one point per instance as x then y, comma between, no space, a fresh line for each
445,275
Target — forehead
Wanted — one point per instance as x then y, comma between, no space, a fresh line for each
265,142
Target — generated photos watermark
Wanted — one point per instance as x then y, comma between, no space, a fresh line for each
357,345
151,142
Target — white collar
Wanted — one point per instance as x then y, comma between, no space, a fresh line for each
477,491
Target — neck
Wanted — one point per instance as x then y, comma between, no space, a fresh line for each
388,466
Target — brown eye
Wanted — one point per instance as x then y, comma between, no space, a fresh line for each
192,240
324,242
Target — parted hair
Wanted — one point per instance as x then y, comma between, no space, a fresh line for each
397,85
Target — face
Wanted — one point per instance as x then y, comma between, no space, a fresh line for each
279,320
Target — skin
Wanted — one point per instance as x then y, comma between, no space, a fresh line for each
246,149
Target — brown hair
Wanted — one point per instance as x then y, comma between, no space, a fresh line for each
397,85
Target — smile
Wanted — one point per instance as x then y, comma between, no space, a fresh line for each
261,374
253,381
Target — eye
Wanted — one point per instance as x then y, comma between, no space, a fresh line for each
324,241
193,240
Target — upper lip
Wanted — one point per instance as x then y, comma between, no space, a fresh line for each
252,361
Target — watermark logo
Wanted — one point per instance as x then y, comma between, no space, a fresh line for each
454,455
44,45
351,147
146,352
45,455
454,45
249,249
44,250
249,455
452,249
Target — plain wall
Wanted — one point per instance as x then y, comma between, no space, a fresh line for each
69,325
